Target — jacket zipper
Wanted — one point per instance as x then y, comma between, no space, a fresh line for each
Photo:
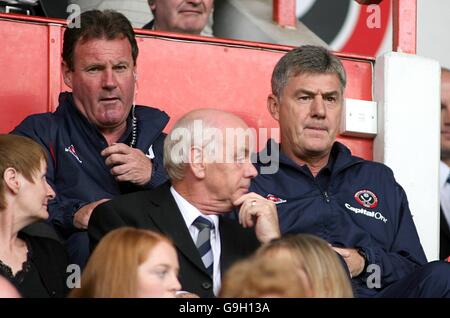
327,198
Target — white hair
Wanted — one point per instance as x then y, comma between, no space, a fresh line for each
190,131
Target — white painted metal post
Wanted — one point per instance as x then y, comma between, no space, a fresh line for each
407,89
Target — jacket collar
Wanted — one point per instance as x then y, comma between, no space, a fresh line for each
150,122
340,157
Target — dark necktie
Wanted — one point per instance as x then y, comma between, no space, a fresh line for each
203,243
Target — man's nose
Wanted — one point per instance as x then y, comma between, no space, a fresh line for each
445,111
250,170
195,2
109,79
318,107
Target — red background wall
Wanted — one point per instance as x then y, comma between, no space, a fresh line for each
177,73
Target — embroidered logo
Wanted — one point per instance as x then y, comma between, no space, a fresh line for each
150,154
275,199
366,198
73,152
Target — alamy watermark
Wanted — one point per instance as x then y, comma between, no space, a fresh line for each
74,278
374,19
74,19
229,145
374,279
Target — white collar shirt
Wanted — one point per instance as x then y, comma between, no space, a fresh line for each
190,214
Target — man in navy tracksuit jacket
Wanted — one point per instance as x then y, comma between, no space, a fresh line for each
100,145
321,189
350,202
76,169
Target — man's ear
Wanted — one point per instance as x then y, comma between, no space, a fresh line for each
67,74
273,105
197,163
11,180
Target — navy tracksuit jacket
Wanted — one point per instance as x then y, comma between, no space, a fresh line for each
76,170
351,203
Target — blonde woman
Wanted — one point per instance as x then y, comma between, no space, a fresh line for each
130,262
257,277
317,262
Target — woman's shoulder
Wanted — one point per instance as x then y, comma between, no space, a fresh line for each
44,246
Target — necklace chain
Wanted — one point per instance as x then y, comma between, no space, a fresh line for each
133,128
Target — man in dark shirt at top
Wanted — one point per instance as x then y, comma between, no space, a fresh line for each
182,16
320,188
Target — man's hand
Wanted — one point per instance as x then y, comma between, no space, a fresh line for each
128,164
260,213
355,262
81,217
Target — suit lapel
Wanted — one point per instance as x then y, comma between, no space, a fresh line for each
169,220
227,248
236,242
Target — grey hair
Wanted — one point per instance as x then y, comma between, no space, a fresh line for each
308,59
183,136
